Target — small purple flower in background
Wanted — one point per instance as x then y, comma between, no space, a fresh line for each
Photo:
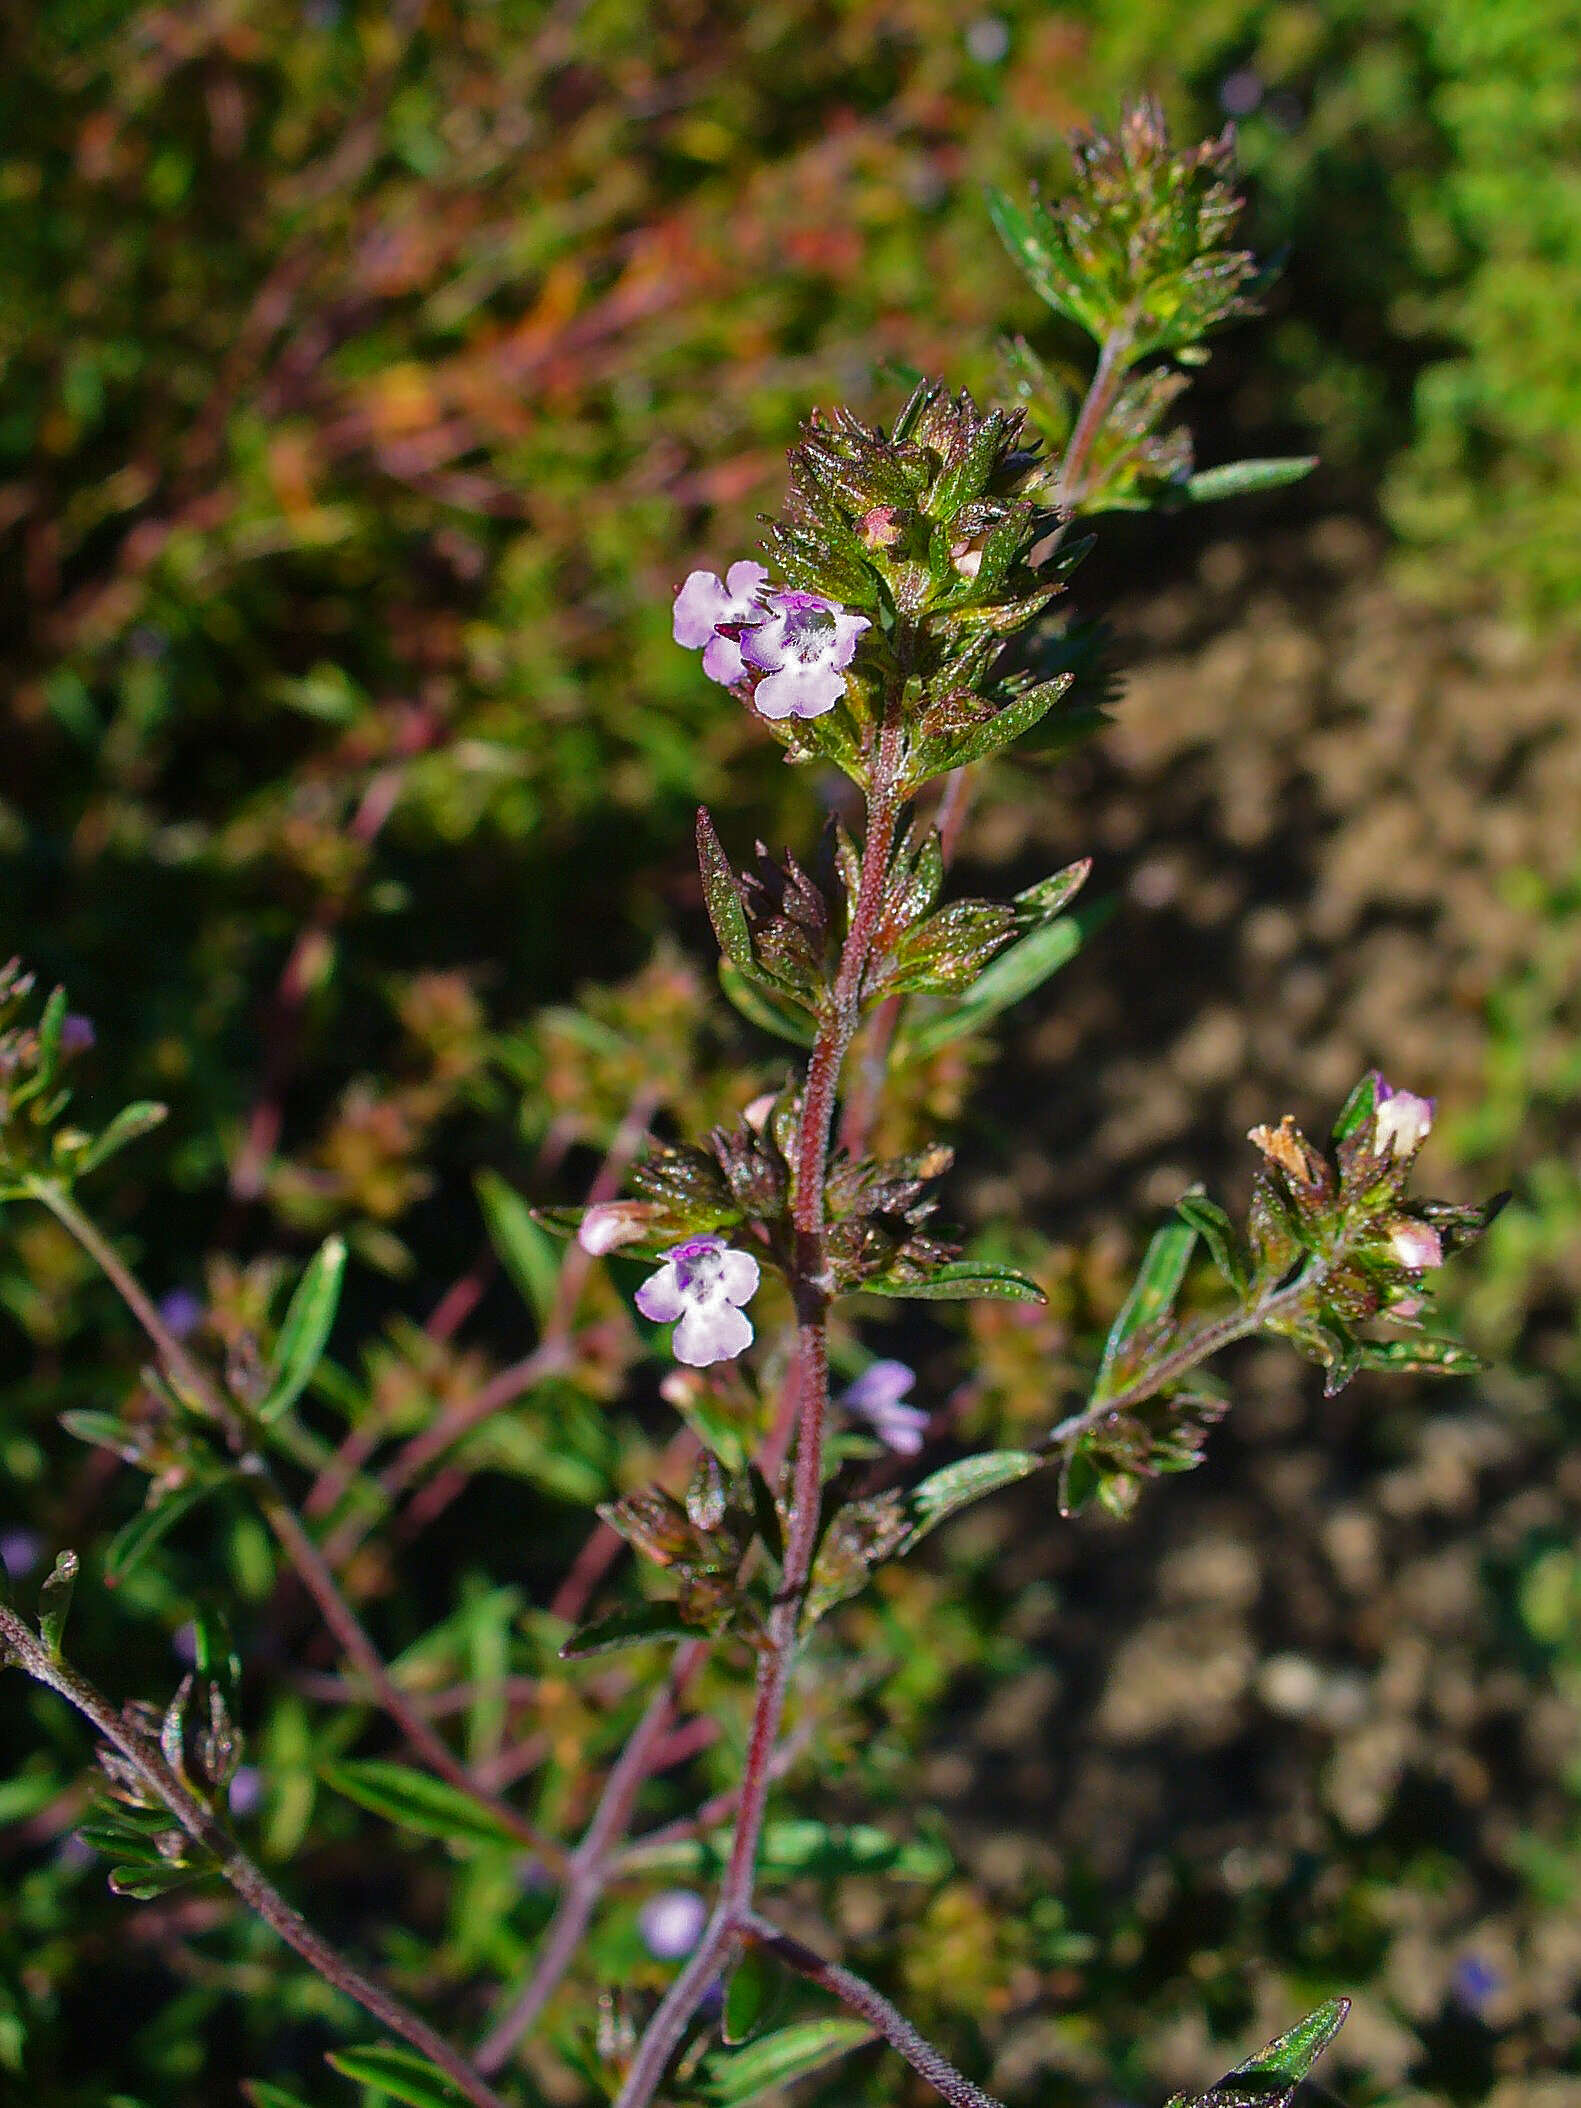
1416,1245
876,1397
704,602
1401,1122
804,646
671,1923
182,1312
1475,1982
699,1290
246,1790
20,1551
76,1033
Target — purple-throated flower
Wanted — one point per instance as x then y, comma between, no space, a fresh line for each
704,602
804,644
699,1289
793,646
876,1397
1400,1123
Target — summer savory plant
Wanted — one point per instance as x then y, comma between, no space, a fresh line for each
900,631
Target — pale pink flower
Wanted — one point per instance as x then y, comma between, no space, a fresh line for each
699,1290
1416,1245
1401,1122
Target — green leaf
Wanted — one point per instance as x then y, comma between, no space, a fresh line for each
1269,2079
1151,1298
1424,1356
798,1849
722,895
414,1801
400,2073
130,1124
765,1008
54,1601
790,2053
626,1628
104,1431
1030,249
133,1542
1039,904
145,1883
50,1027
526,1250
959,1281
1012,721
1026,965
958,1485
1237,479
750,1997
1358,1108
1224,1242
305,1333
263,2094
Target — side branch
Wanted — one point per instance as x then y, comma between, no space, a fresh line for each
860,1996
233,1864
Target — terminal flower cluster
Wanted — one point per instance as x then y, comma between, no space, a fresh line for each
792,647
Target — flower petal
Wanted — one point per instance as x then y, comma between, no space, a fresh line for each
900,1428
710,1332
847,628
701,602
745,578
738,1276
661,1297
722,660
883,1383
799,691
765,647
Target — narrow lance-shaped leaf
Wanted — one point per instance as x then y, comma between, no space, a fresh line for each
798,1849
766,1008
1424,1356
1010,977
264,2094
626,1628
309,1319
54,1601
1224,1242
399,2073
960,1281
526,1250
133,1542
1151,1298
959,1485
732,2079
722,895
1270,2079
414,1801
1238,479
129,1125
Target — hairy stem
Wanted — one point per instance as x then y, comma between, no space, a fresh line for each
1113,357
811,1287
861,1997
248,1880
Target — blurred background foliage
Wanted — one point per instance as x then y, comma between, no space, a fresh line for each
369,376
